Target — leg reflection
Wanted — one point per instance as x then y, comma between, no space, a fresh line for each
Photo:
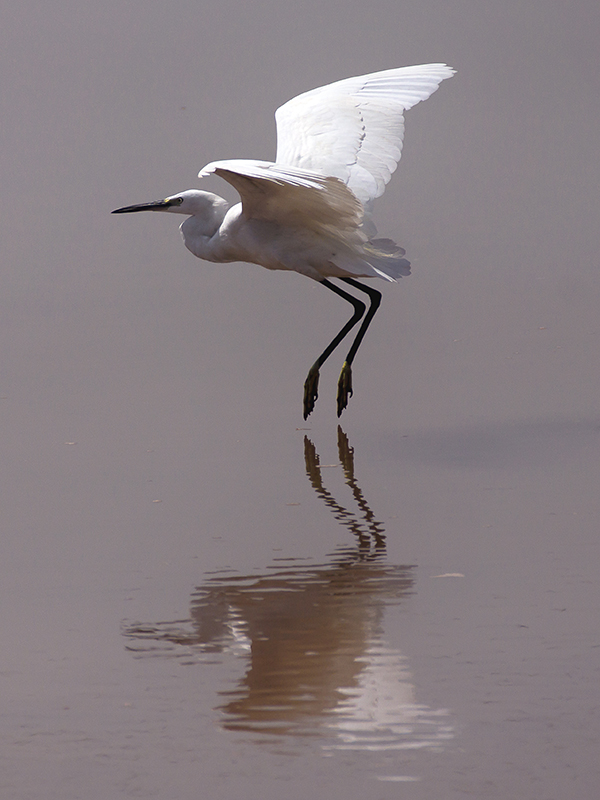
368,531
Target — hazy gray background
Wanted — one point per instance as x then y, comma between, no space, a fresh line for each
132,373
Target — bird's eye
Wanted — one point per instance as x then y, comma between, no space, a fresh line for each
179,201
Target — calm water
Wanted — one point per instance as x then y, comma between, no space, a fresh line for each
204,596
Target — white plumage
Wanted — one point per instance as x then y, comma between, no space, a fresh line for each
309,211
353,129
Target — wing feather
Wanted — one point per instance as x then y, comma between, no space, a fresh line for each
353,129
292,197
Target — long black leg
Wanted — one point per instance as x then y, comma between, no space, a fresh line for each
345,381
311,383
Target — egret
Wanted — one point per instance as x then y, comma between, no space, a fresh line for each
310,210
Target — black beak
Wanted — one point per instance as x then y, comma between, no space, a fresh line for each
157,206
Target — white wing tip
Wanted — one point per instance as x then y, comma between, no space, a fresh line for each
210,168
444,70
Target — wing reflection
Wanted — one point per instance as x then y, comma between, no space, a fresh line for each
317,662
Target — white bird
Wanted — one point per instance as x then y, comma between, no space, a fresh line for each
310,210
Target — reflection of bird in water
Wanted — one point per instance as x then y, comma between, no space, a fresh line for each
312,634
310,211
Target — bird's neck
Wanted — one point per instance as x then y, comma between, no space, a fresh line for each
197,231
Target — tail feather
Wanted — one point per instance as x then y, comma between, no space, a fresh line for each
386,256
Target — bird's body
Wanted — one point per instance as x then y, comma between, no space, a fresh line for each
310,210
229,235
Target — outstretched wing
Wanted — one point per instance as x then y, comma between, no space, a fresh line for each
353,129
292,197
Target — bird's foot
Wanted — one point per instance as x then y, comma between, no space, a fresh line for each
344,388
311,384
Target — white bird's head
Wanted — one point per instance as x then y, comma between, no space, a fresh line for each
191,203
